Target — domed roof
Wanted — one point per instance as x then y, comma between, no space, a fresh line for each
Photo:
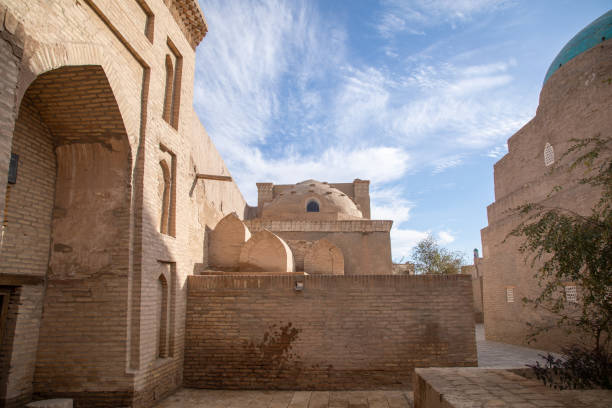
596,32
332,203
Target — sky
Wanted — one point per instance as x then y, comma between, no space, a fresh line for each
417,96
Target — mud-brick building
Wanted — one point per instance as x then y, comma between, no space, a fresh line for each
108,183
339,213
113,199
575,103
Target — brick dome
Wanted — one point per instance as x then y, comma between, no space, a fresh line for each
331,203
593,34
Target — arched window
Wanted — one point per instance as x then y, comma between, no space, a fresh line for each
312,206
549,155
165,210
162,317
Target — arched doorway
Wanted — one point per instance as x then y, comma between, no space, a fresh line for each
67,217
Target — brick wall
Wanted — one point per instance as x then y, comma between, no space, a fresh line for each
25,248
574,103
472,270
11,52
340,332
101,294
29,202
365,244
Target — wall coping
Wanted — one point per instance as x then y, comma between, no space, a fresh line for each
322,226
287,281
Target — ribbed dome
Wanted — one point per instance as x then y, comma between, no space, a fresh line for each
596,32
291,204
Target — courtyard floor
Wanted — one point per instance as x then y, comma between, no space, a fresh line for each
490,354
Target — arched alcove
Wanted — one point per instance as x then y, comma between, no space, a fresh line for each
323,257
267,252
69,213
162,317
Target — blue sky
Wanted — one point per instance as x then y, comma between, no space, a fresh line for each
418,96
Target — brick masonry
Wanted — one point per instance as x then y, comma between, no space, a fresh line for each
575,102
87,79
365,244
340,332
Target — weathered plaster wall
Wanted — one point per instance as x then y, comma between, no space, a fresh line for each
340,332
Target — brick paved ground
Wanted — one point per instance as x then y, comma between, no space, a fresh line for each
490,354
192,398
494,354
479,387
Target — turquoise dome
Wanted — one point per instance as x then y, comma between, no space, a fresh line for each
596,32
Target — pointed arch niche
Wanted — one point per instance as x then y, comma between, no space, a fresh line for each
172,93
165,284
167,191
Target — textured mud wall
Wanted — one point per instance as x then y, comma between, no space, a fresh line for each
340,332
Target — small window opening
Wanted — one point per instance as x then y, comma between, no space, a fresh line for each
510,295
549,155
571,294
312,206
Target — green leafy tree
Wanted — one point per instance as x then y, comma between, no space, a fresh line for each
565,246
430,258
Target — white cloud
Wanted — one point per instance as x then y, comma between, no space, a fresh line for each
281,98
467,106
498,151
445,237
488,69
284,101
409,16
445,163
249,52
479,84
390,204
392,23
403,240
378,164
